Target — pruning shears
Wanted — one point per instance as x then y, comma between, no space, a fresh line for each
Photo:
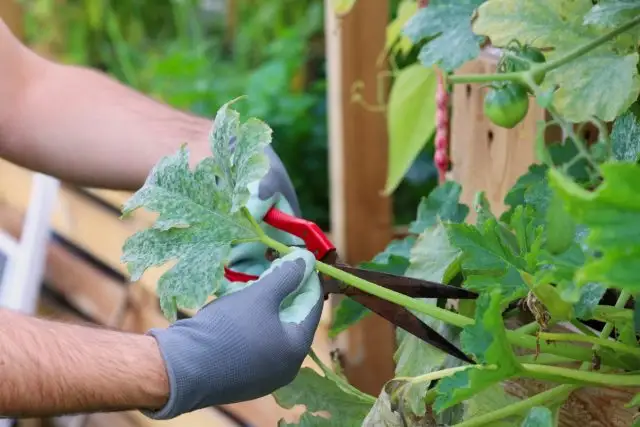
318,243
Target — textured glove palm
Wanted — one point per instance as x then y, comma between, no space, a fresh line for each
241,346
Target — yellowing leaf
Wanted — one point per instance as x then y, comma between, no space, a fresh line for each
411,119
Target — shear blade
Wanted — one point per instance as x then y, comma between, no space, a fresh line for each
410,286
404,319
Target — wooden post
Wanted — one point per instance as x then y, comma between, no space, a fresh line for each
360,216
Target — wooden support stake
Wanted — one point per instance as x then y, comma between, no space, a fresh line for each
360,216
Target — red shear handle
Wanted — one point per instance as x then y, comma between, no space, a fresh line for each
237,276
315,240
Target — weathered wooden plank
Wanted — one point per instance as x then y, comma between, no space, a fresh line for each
361,217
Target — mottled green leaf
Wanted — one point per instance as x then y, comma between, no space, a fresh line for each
320,394
602,83
538,416
447,27
238,154
590,296
442,203
199,217
625,138
612,214
411,117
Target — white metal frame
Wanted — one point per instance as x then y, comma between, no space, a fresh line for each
26,257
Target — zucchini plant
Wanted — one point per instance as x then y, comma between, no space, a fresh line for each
568,242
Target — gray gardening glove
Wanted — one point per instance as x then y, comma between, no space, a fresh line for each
246,344
274,189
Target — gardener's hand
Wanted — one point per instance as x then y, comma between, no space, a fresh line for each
246,344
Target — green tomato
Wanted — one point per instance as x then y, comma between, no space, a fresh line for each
507,105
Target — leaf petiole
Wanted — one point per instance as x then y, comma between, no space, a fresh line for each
590,339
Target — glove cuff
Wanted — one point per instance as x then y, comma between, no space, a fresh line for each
170,409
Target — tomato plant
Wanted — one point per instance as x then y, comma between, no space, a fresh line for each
568,241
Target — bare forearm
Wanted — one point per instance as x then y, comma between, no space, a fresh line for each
49,368
84,127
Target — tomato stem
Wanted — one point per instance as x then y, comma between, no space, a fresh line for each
487,78
586,48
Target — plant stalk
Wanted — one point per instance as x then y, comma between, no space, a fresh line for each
554,395
584,376
616,345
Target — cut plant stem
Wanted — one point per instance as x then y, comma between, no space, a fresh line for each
379,291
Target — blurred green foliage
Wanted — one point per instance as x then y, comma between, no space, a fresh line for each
197,54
